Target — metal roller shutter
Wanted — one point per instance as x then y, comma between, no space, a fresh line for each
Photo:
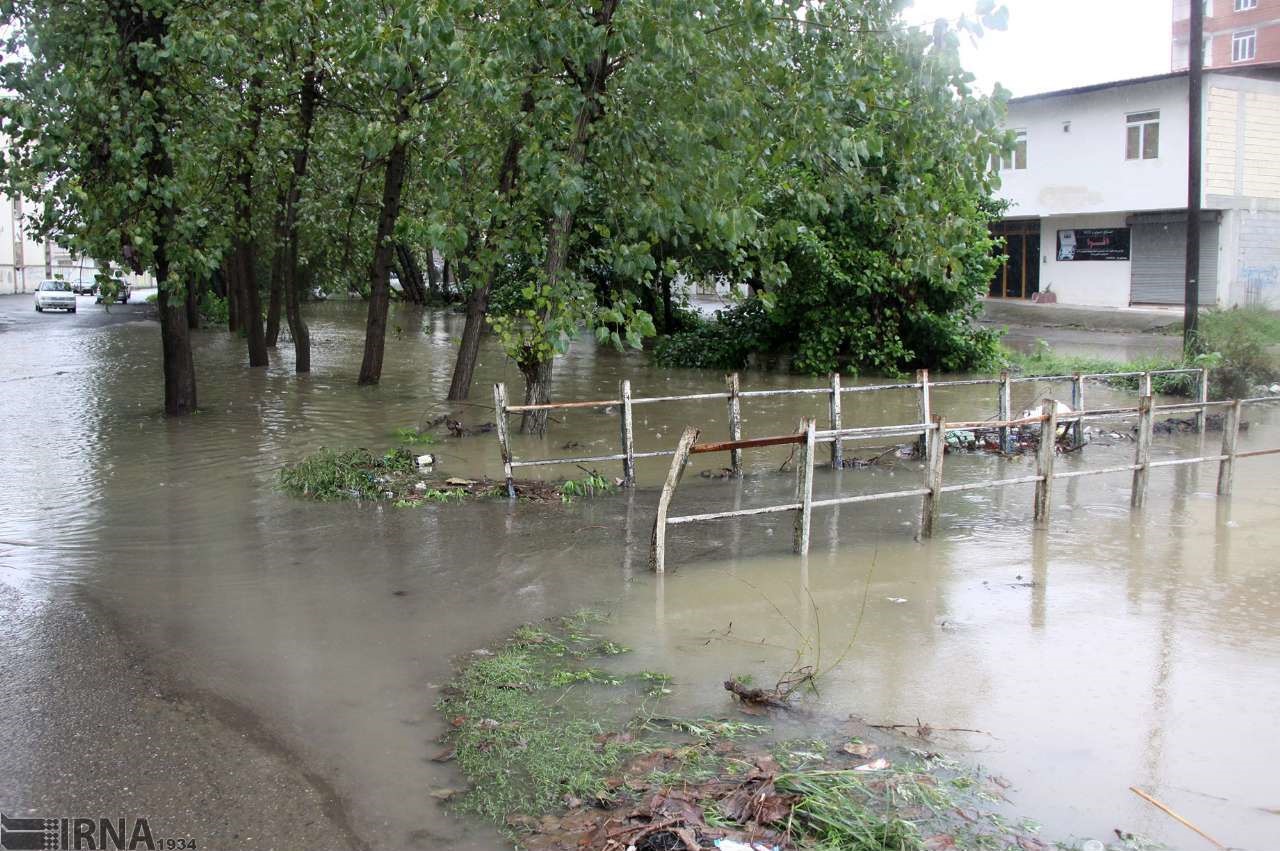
1158,267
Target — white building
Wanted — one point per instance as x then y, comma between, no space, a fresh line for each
1097,191
26,261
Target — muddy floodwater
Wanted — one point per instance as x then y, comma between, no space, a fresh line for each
1116,649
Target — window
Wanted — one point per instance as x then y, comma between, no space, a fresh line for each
1018,159
1244,45
1246,5
1142,135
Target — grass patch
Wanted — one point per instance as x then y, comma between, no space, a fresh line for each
1043,360
329,474
1240,347
411,436
516,734
563,754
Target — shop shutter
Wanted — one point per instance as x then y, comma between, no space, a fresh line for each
1158,267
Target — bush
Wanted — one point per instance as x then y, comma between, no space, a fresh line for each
1241,346
213,308
351,474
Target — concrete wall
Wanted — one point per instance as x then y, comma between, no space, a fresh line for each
1251,258
1084,170
1103,283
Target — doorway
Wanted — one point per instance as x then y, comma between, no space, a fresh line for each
1019,274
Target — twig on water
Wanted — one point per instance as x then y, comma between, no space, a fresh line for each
1165,809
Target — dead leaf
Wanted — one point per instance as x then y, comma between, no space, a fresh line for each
444,793
446,755
859,749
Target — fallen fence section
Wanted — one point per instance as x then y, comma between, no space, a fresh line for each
934,434
836,434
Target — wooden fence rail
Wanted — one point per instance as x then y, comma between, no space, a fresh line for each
934,434
835,391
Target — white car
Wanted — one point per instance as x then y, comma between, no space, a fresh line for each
55,295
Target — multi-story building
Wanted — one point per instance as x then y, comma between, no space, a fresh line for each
26,261
1236,32
1097,191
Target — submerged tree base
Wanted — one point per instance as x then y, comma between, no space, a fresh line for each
564,754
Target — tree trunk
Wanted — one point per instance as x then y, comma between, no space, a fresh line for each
560,227
307,96
433,274
379,287
193,305
447,276
537,391
478,302
250,300
243,245
233,295
175,341
276,290
464,367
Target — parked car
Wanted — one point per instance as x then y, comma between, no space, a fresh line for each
55,295
122,295
83,287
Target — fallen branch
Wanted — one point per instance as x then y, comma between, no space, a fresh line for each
1165,809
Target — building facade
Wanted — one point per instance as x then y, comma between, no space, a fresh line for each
1236,33
26,261
1097,189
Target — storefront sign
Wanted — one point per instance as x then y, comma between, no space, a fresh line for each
1093,244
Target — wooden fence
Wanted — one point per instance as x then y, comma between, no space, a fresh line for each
931,489
835,393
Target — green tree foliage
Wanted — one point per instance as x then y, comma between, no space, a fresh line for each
879,267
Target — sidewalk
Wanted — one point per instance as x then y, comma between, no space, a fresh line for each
1121,319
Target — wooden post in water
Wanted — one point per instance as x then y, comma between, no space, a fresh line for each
1004,401
504,440
926,403
735,424
1044,460
628,438
1140,476
936,443
1077,404
1230,434
658,543
1202,397
837,445
804,487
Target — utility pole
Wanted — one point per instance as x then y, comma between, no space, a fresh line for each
1195,74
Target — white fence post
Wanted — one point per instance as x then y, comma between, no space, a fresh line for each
628,439
1044,460
837,445
1203,398
504,441
1230,435
1140,476
1004,402
936,443
804,487
735,424
658,542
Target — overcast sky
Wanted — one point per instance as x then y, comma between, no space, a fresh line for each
1051,44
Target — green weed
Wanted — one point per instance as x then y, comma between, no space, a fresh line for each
413,437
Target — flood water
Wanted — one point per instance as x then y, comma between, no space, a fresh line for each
1114,649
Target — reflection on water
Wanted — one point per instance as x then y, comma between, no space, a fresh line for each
1112,650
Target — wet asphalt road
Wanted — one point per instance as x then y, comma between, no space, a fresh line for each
90,732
